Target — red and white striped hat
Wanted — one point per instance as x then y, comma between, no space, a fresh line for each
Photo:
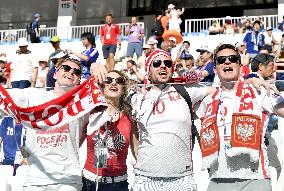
149,60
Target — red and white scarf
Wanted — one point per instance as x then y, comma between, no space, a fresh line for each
246,129
57,112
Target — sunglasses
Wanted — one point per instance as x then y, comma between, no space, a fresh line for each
167,63
232,58
119,80
67,68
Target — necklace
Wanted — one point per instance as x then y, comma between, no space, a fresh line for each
115,115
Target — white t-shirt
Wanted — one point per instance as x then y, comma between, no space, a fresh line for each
164,132
23,67
239,166
54,152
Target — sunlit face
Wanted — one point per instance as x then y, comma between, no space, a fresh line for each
108,20
133,20
228,71
256,27
186,45
85,42
242,47
269,32
113,86
43,64
67,78
205,56
161,74
267,71
129,66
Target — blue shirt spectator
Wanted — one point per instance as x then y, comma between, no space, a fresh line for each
93,54
12,138
210,69
254,40
89,56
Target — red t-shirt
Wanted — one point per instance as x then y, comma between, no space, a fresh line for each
109,34
118,139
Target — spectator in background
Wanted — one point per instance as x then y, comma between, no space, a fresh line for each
187,61
184,49
165,45
214,28
5,71
269,38
152,43
23,68
174,49
281,24
146,51
254,40
165,20
260,19
135,39
133,72
42,73
206,67
35,33
242,51
10,36
110,37
175,20
229,27
262,66
12,137
244,25
280,64
158,30
50,81
88,56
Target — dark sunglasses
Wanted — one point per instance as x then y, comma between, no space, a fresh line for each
232,58
67,68
119,80
167,63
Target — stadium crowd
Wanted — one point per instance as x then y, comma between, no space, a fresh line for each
150,105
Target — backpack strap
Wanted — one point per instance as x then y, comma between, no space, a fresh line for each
182,91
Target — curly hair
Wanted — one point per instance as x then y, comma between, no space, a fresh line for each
124,100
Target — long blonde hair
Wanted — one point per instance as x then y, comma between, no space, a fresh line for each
124,100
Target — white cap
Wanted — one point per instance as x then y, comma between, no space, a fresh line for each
205,48
145,46
172,38
171,6
152,41
239,44
228,18
22,42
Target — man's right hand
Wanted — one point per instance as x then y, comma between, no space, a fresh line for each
99,71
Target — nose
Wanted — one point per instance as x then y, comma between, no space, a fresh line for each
227,61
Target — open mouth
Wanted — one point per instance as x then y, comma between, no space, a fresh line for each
162,73
68,77
113,89
228,69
